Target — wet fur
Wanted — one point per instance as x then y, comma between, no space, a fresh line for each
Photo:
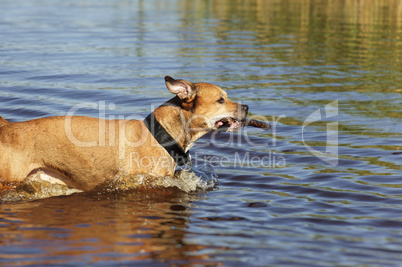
44,146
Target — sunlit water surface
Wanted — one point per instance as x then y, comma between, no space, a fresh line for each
322,188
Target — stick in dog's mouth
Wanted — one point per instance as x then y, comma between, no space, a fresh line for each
258,124
229,124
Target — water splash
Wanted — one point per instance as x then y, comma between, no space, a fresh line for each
197,179
203,178
34,188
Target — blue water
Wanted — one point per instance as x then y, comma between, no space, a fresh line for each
323,187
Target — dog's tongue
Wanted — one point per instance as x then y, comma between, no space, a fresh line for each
234,126
230,125
218,124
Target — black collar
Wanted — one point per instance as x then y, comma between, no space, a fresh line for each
167,141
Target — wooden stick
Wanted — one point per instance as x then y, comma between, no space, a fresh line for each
258,124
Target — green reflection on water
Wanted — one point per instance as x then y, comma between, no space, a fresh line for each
359,36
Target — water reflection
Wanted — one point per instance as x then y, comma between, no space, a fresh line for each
126,226
281,57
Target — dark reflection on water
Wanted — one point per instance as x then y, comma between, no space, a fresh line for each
131,227
276,202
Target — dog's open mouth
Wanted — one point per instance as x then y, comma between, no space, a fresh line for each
228,124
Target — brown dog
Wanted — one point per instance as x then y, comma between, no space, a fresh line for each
83,152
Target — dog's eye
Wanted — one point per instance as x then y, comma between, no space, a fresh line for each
221,100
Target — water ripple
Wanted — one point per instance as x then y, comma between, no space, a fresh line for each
275,203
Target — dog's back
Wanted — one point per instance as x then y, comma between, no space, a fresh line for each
3,121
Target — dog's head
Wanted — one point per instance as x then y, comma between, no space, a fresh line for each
208,105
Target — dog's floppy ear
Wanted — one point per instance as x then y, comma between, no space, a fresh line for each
183,89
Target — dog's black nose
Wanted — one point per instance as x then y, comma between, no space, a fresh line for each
244,107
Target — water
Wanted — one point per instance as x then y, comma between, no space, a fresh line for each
275,202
